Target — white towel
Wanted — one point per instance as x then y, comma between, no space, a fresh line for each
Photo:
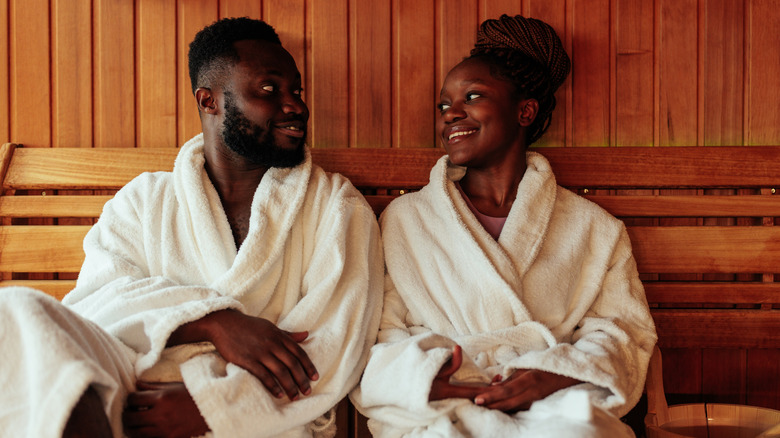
558,292
162,254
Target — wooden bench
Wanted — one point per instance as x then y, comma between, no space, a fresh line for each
701,221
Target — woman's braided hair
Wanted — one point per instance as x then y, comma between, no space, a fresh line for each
528,53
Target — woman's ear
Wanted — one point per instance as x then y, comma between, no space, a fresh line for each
528,109
205,99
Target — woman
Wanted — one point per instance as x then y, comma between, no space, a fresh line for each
512,307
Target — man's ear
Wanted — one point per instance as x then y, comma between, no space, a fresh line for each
527,111
205,99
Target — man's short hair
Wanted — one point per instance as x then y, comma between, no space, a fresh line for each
212,51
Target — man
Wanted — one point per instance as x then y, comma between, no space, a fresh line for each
238,294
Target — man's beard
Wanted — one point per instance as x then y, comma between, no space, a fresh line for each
252,142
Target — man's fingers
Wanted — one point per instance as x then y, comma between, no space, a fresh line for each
265,377
302,359
298,336
453,364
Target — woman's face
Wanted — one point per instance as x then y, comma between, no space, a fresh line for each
479,119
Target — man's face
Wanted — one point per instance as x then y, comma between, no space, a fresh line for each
264,116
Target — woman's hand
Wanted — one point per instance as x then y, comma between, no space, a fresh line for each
162,410
441,387
521,389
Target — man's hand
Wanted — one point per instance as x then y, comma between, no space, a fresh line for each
521,389
257,345
162,410
441,387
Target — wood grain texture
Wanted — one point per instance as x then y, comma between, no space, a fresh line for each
191,17
30,97
156,94
590,76
370,84
71,74
30,248
634,73
328,74
414,93
5,134
114,77
241,8
764,88
723,85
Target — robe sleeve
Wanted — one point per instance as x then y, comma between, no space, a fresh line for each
407,357
116,290
613,342
340,307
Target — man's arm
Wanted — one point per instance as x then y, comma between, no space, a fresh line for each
257,345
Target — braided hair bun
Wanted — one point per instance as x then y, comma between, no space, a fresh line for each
528,53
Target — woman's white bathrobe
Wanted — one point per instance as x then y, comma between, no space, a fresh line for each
559,291
162,254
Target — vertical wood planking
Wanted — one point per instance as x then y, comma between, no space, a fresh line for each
496,8
457,23
370,83
678,72
723,72
191,17
687,376
634,74
4,102
30,96
114,73
554,14
413,93
763,379
241,8
156,75
764,66
71,74
289,20
590,76
328,73
723,375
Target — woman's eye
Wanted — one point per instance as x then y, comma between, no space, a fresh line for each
298,92
269,88
472,96
443,106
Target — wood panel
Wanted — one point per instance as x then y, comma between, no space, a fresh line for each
370,82
22,248
763,67
590,76
723,104
30,103
677,72
289,20
456,29
634,80
414,92
156,54
241,8
554,14
114,83
4,80
71,74
328,73
191,17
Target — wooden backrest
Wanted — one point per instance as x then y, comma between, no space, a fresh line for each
701,220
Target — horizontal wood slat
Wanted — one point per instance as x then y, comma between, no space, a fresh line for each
689,206
714,249
712,293
56,288
42,248
89,206
717,328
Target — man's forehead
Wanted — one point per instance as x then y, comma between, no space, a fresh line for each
269,57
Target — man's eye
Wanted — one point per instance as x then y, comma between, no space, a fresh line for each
269,88
472,96
443,106
298,92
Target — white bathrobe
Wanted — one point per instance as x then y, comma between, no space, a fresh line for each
559,292
162,254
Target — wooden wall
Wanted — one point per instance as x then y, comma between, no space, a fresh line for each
112,73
